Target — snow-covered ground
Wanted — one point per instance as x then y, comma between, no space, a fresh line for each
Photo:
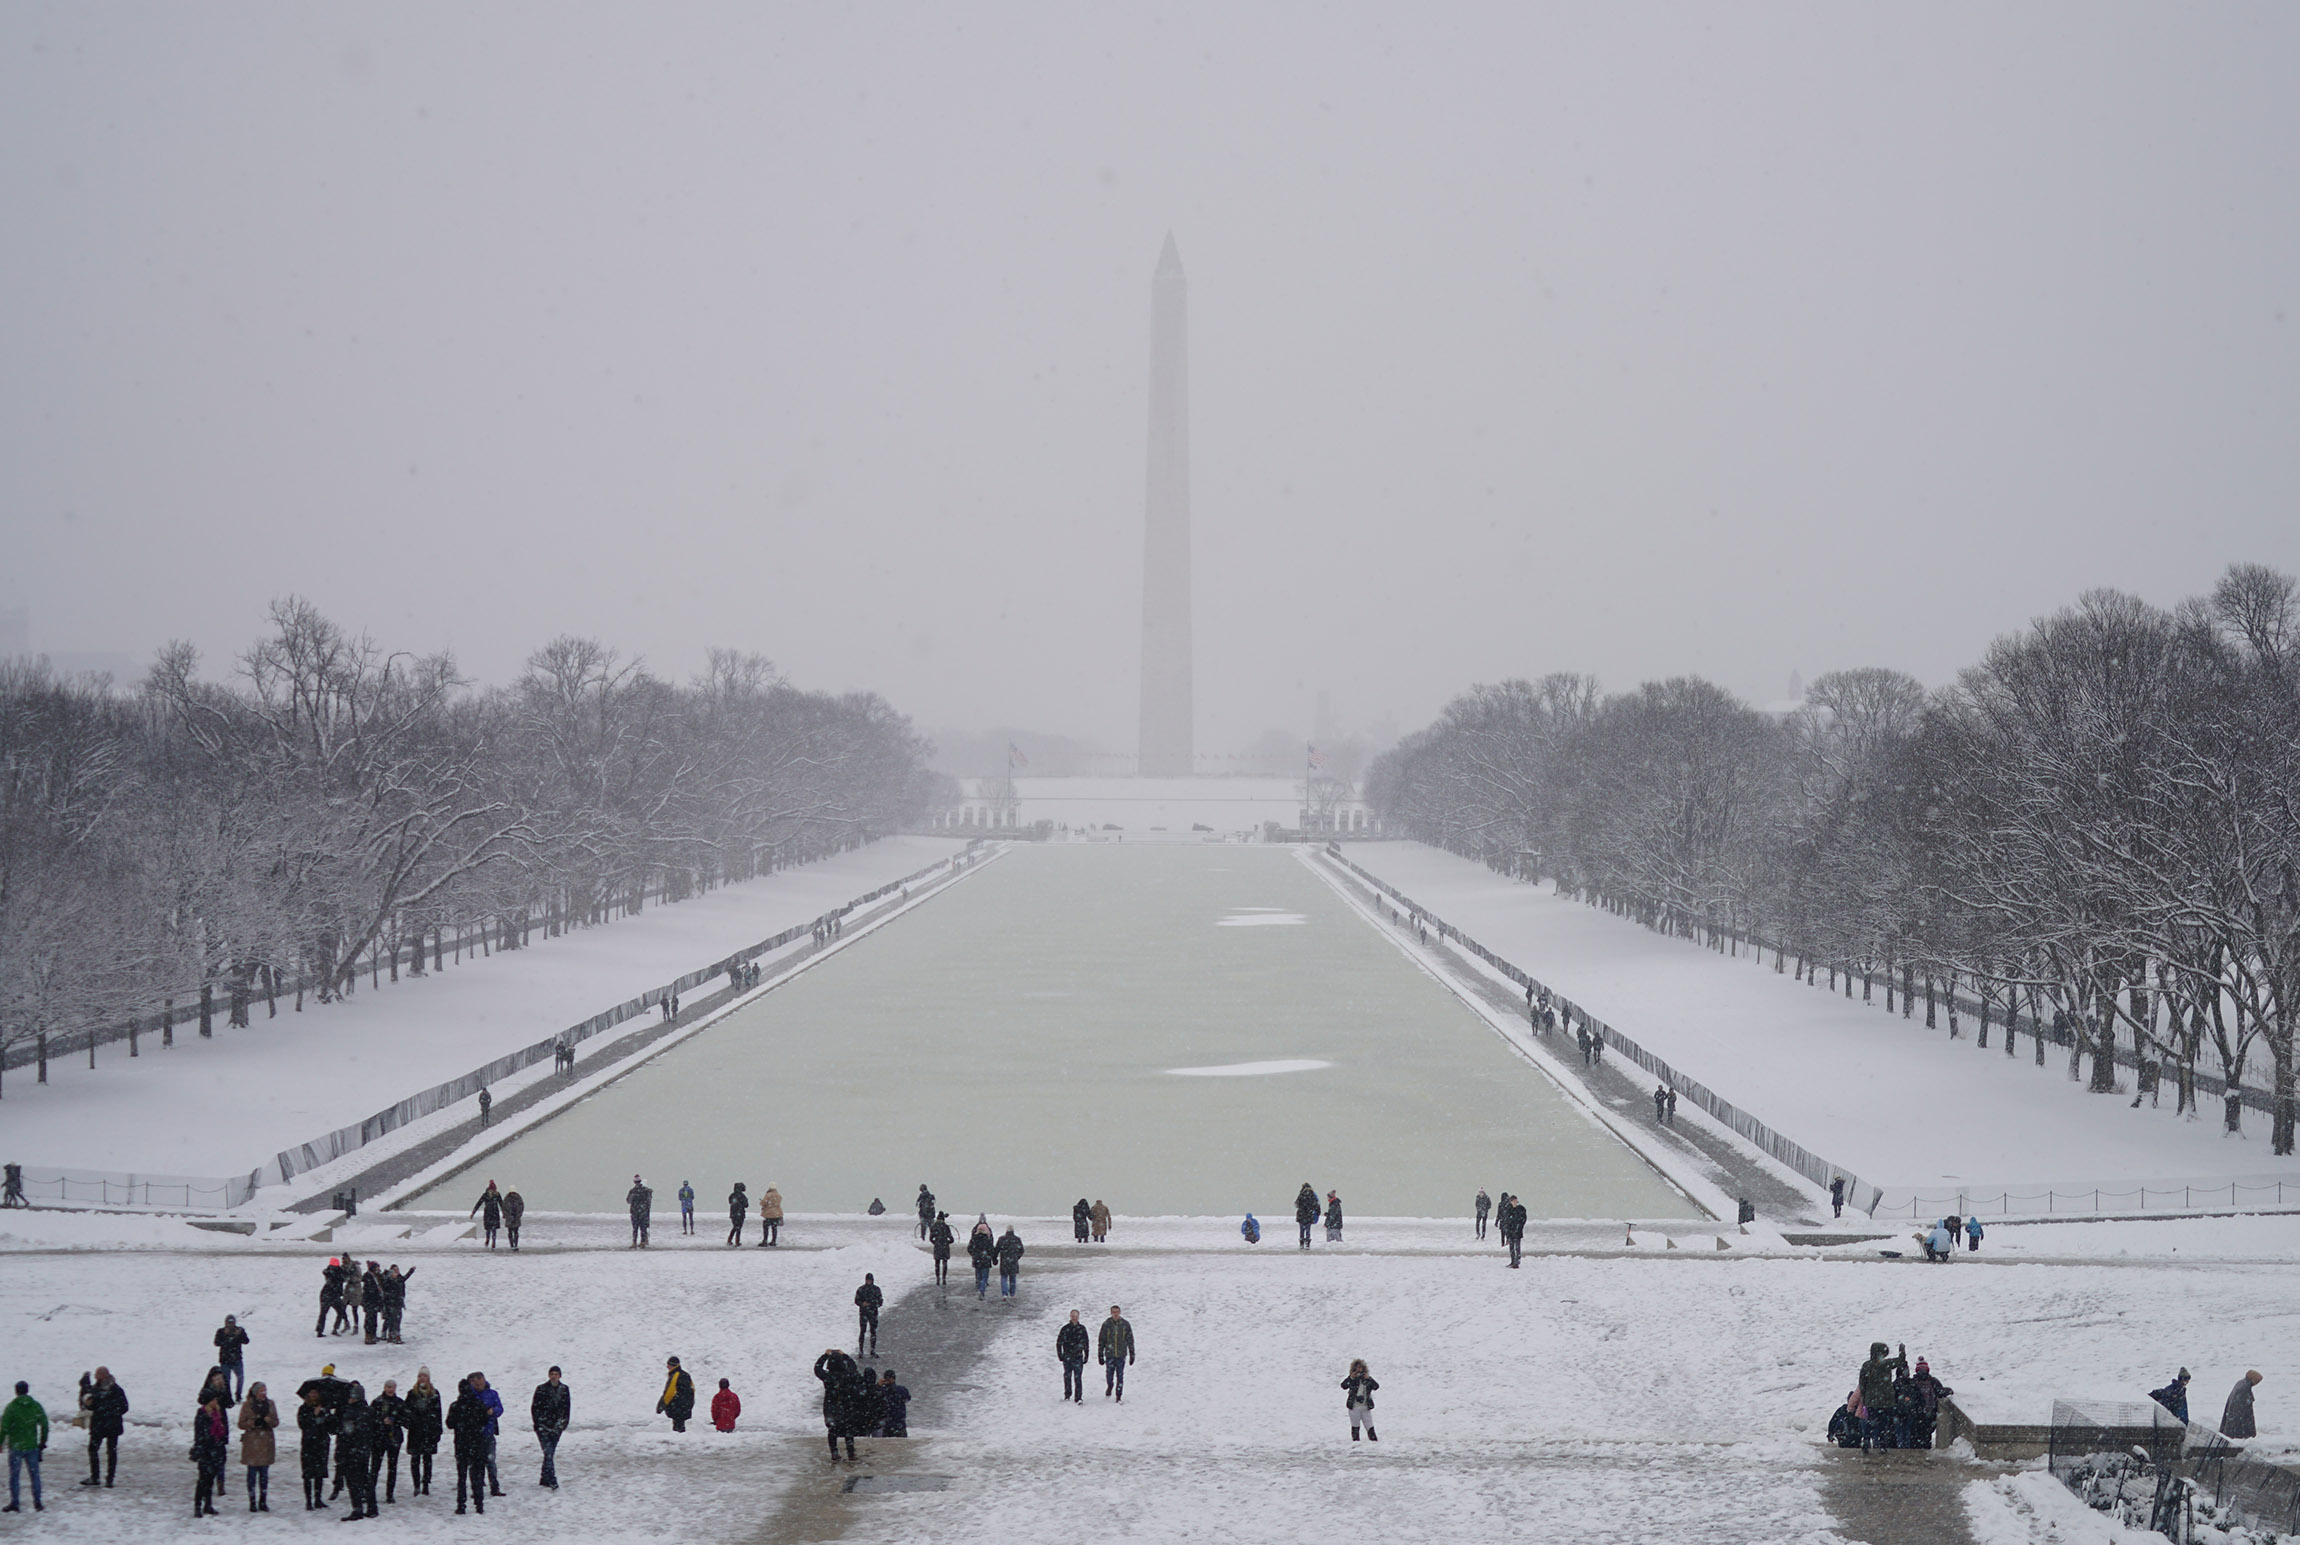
1590,1396
1897,1104
225,1105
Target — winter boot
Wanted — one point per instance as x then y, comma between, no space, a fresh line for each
1371,1435
1353,1434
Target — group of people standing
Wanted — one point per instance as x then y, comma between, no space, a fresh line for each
859,1402
379,1294
499,1212
739,1207
1308,1210
1889,1406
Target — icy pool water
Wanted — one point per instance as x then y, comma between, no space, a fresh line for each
1013,1043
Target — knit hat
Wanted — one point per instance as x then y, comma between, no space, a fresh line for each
1923,1366
326,1368
2184,1375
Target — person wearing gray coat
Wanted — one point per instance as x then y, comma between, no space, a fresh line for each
2236,1419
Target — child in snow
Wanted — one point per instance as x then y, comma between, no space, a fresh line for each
1845,1422
726,1405
1250,1230
1359,1389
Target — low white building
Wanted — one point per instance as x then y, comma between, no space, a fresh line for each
1174,808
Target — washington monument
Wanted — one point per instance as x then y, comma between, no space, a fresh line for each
1166,745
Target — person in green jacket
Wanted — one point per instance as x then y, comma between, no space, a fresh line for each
1880,1397
24,1428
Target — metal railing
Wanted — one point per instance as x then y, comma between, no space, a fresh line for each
98,1187
1858,1192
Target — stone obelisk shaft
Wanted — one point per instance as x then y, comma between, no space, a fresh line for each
1167,746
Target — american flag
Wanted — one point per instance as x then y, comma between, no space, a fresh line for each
1014,757
1316,761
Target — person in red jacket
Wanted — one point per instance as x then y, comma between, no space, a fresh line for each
726,1405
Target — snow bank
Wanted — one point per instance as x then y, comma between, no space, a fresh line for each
1900,1105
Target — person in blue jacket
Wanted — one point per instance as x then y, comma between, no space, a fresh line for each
686,1208
1251,1230
1972,1234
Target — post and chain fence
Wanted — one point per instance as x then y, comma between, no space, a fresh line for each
95,1187
1858,1192
2176,1197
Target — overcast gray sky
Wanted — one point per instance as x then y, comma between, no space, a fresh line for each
1635,340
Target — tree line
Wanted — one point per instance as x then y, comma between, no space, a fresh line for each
2091,837
192,847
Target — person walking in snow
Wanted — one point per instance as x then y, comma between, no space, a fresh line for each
1306,1211
390,1410
1660,1104
868,1299
738,1206
841,1380
678,1398
1099,1216
490,1204
982,1250
1484,1207
641,1200
514,1209
770,1216
551,1411
686,1208
1333,1217
1669,1116
395,1280
486,1105
1972,1234
1114,1345
1358,1399
941,1238
925,1210
2174,1396
2236,1416
371,1300
1081,1219
726,1406
1837,1197
1009,1261
1070,1351
1512,1223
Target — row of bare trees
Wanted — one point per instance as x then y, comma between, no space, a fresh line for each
337,809
2093,836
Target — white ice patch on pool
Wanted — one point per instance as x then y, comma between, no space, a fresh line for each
1261,917
1252,1069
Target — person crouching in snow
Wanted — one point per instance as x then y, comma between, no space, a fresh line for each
1359,1388
1845,1422
1940,1244
726,1405
1251,1230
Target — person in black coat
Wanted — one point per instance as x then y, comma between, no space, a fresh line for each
231,1353
390,1410
371,1300
107,1407
1071,1346
315,1424
552,1409
1511,1221
467,1419
894,1400
870,1406
840,1376
926,1213
1082,1219
356,1440
982,1250
738,1208
1009,1261
942,1238
395,1294
868,1300
1307,1211
678,1400
2174,1396
425,1422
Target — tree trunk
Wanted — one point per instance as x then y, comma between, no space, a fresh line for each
1909,993
207,1010
2104,1059
41,1050
132,1027
2232,1109
167,1023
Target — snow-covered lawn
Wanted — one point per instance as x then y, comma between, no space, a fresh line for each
1584,1398
225,1105
1899,1105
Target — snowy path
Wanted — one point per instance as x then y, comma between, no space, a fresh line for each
1900,1105
1580,1398
224,1106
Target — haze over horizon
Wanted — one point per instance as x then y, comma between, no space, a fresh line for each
1788,340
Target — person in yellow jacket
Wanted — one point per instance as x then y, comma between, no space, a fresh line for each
770,1216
